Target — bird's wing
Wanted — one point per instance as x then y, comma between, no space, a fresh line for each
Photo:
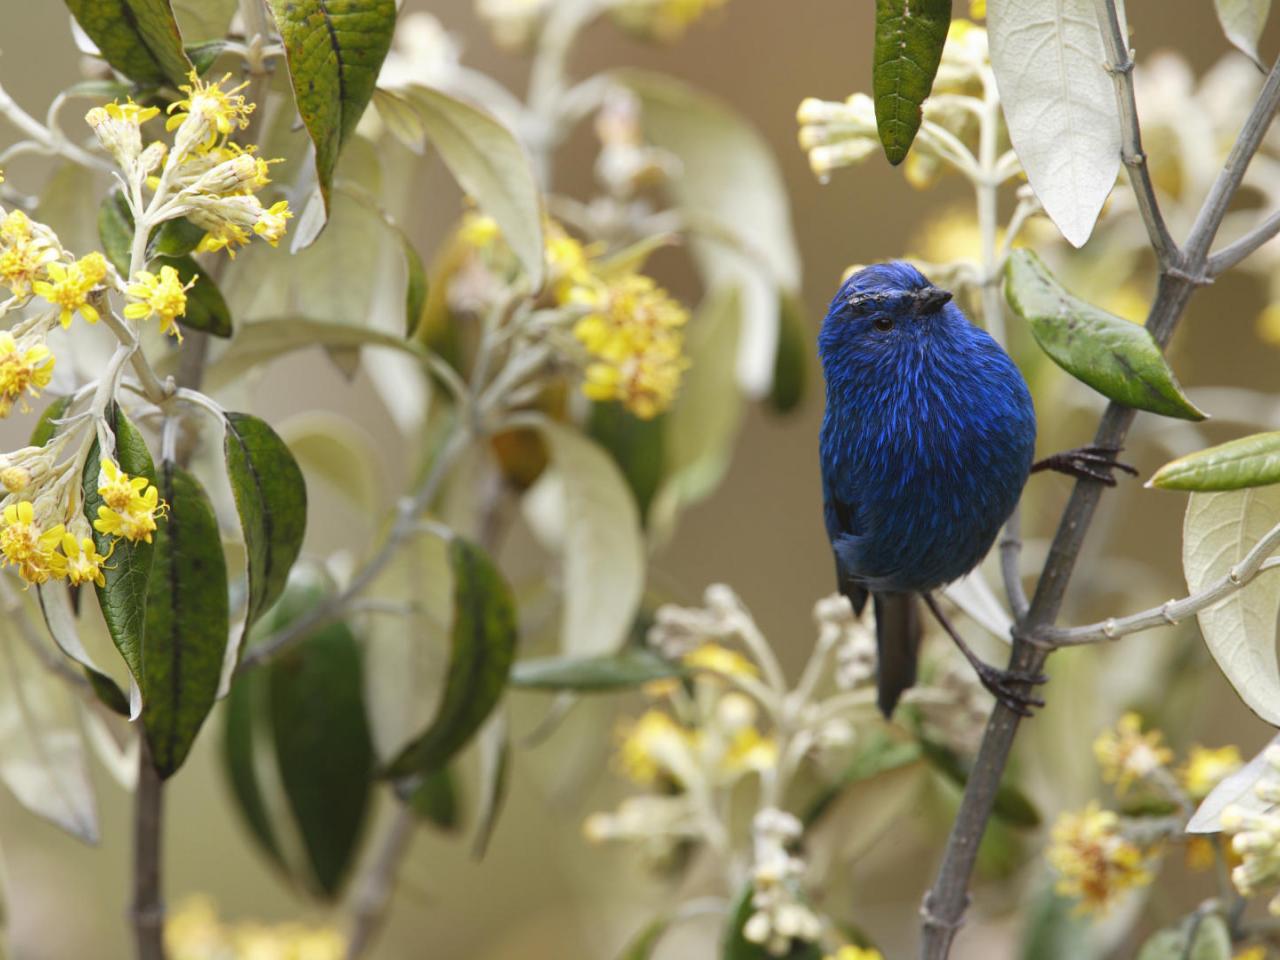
841,518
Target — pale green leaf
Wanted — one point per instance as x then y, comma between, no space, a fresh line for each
620,671
1235,790
1240,630
602,549
42,756
1252,461
1243,22
491,165
337,450
1059,103
732,193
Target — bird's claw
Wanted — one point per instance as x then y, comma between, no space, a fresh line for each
1094,462
1012,687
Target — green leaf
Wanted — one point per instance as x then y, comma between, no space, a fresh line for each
124,598
188,619
908,48
1252,461
45,427
1239,630
1117,358
140,38
1054,929
203,55
206,307
1212,939
636,447
482,649
335,49
322,744
435,799
271,499
1011,804
243,734
641,946
791,364
630,668
1243,22
264,340
115,230
415,294
174,238
737,947
491,165
1164,945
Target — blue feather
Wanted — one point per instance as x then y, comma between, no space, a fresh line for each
928,436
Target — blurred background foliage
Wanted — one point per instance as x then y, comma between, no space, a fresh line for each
541,891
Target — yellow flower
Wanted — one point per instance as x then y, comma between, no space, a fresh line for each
653,745
194,932
566,262
1267,324
223,236
22,255
69,286
130,504
208,112
130,112
271,225
25,369
664,20
717,659
479,232
855,953
1206,768
165,296
84,562
977,9
633,336
750,751
28,546
1094,862
1252,953
1125,754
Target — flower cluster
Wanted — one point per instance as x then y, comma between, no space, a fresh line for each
1094,861
194,932
1126,754
1255,835
779,915
664,20
629,328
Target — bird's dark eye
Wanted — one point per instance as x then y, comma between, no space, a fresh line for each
882,323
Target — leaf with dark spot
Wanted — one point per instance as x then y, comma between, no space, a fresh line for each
187,620
140,38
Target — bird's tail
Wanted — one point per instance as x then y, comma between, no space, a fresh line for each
897,642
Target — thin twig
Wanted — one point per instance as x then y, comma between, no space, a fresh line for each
1120,66
376,886
147,912
1171,612
944,905
1229,256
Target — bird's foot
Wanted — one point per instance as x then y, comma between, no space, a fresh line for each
1011,687
1087,463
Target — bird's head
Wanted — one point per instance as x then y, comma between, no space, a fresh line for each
883,309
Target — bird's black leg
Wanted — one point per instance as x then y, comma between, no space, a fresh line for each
1086,463
1002,684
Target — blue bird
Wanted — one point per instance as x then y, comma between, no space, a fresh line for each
927,441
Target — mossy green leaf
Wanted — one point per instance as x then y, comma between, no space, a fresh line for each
791,362
1119,359
188,619
482,649
140,38
335,49
909,38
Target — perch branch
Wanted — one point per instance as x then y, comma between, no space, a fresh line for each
944,905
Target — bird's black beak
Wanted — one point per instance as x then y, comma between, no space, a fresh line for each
930,299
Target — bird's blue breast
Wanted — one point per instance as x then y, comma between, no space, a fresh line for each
926,444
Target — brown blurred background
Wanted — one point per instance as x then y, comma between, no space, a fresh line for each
541,892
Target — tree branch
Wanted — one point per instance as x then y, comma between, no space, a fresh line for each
1229,256
1258,561
944,905
1120,66
376,886
147,912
